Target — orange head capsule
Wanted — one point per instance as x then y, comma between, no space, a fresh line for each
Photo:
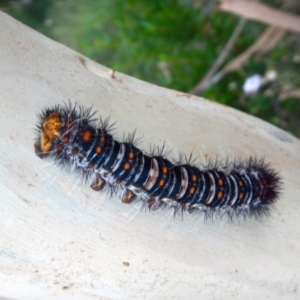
50,130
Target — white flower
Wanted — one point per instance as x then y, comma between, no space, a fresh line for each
252,84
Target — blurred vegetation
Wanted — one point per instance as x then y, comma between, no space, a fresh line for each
173,43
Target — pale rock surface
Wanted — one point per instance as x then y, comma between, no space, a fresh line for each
61,240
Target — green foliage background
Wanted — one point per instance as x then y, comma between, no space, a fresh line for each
172,43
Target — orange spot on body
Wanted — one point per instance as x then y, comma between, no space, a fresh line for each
194,178
131,155
127,166
192,191
86,136
161,182
220,195
164,170
98,149
220,182
240,183
241,195
102,140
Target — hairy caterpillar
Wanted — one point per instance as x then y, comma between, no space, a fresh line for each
71,137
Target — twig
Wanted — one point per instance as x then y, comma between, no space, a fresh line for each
262,13
205,81
267,40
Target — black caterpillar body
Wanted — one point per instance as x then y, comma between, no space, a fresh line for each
71,137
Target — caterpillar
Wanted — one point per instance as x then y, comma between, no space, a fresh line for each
75,139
